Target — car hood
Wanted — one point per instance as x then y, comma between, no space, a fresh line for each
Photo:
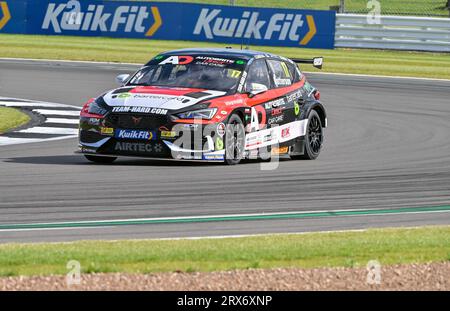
158,97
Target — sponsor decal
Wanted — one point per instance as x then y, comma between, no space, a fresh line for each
277,111
168,134
93,121
148,110
272,136
286,132
134,134
241,83
294,96
214,157
296,109
177,60
275,134
274,104
106,131
234,102
221,129
255,123
190,126
123,95
134,147
219,143
223,112
88,150
136,120
280,150
282,82
276,119
158,148
213,61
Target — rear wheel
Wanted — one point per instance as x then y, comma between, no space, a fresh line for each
98,159
313,138
234,140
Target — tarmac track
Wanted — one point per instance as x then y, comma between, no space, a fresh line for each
387,147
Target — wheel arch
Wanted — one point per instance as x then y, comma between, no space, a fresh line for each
320,109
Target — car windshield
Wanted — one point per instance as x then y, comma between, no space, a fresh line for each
220,73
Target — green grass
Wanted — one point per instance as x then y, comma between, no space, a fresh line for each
409,7
431,65
11,118
345,249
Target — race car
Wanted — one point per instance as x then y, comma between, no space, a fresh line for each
208,105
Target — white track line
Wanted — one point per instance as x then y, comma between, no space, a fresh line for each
62,121
140,65
35,104
57,112
30,101
50,130
13,141
5,141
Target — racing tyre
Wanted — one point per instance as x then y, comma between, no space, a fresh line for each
313,138
234,140
98,159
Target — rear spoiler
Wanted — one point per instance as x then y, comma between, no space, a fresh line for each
316,61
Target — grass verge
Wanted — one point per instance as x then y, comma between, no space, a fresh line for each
11,118
376,62
345,249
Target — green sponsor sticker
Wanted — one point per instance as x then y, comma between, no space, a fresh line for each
219,144
159,57
124,95
296,109
240,62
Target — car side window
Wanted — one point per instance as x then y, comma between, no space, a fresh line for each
280,72
295,73
258,73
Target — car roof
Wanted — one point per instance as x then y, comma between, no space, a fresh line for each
219,51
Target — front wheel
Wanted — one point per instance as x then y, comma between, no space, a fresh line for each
234,140
313,138
97,159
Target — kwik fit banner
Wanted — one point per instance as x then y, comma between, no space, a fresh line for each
170,21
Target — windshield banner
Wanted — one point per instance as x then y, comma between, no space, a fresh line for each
170,21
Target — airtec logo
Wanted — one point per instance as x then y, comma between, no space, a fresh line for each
279,26
125,18
4,13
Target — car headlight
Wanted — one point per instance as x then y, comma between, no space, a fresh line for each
97,107
198,114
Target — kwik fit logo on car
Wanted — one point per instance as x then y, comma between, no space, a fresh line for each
134,134
171,21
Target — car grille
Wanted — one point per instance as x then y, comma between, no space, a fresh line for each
136,121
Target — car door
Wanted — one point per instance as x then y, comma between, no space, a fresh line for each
280,111
259,73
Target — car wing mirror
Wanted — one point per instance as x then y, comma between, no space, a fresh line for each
121,79
257,88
